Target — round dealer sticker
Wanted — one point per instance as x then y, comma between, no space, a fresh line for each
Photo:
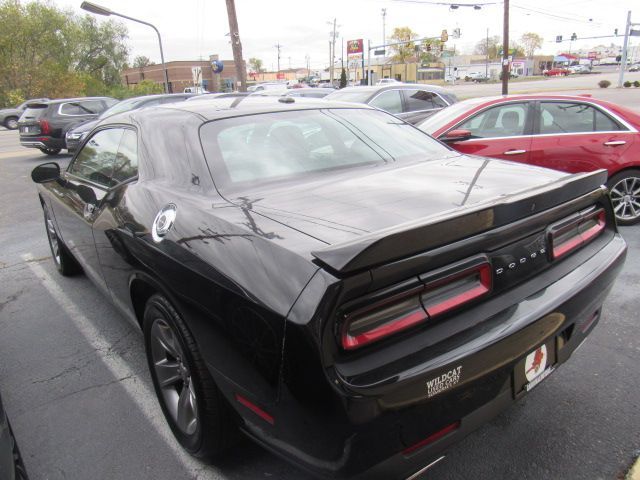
535,363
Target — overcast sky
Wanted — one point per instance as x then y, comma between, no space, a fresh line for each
196,28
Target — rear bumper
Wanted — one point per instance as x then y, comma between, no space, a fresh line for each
42,142
382,419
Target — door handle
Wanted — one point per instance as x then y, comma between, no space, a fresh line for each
614,143
514,152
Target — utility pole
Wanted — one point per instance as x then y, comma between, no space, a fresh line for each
623,59
278,46
308,59
333,51
236,46
505,50
384,25
486,58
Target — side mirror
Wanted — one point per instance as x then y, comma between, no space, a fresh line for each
456,135
47,172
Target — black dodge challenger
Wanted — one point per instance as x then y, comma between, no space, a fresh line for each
347,291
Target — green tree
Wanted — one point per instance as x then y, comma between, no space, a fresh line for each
343,78
141,61
402,53
492,45
47,51
531,42
255,65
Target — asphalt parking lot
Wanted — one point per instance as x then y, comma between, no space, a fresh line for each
74,379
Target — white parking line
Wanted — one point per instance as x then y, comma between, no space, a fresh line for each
140,393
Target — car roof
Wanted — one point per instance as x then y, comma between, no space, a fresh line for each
76,99
526,97
239,106
393,86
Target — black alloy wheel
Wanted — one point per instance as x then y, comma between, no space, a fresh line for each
625,196
195,409
11,123
63,260
50,150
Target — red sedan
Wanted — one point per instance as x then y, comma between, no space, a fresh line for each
569,133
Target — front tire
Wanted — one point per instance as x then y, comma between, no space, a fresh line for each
50,150
195,409
625,196
11,123
62,258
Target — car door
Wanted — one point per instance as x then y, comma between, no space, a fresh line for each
389,101
499,131
79,202
420,104
575,136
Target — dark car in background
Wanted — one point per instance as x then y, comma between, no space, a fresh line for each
344,289
9,116
75,135
11,464
43,125
410,102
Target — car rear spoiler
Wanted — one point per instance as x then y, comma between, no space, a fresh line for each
413,237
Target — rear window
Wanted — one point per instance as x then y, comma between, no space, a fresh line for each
263,148
84,107
34,112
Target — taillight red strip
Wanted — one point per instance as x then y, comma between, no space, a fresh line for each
350,342
482,287
255,409
44,127
431,438
580,238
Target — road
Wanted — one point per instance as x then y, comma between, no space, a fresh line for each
74,379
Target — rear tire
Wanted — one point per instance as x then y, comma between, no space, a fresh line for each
625,196
195,409
50,150
11,123
62,258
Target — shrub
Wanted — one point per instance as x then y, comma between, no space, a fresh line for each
604,83
636,84
627,84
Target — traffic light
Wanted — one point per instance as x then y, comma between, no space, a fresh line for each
615,32
441,47
574,36
558,38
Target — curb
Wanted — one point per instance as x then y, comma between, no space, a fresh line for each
634,473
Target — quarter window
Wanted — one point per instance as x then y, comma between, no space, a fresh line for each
564,117
388,101
126,164
503,121
423,100
84,107
96,159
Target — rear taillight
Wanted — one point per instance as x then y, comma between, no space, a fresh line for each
575,231
45,129
440,292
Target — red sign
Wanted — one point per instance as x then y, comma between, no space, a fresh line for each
592,55
280,76
355,47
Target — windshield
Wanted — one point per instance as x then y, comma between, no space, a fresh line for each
263,148
123,106
352,96
444,116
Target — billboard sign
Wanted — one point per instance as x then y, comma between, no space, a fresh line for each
355,47
592,55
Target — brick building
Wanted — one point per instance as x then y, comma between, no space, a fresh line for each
180,75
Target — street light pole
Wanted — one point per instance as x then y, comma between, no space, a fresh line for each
623,58
100,10
505,50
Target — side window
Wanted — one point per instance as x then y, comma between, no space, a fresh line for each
96,159
84,107
126,164
422,100
502,121
388,101
564,117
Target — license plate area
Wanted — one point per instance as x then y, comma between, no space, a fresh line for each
534,368
30,129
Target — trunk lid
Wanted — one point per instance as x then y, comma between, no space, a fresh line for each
29,123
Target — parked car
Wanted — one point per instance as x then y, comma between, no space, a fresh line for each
632,68
568,133
11,464
411,102
387,81
315,92
75,135
43,125
267,86
9,116
476,77
555,72
198,90
578,69
331,281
